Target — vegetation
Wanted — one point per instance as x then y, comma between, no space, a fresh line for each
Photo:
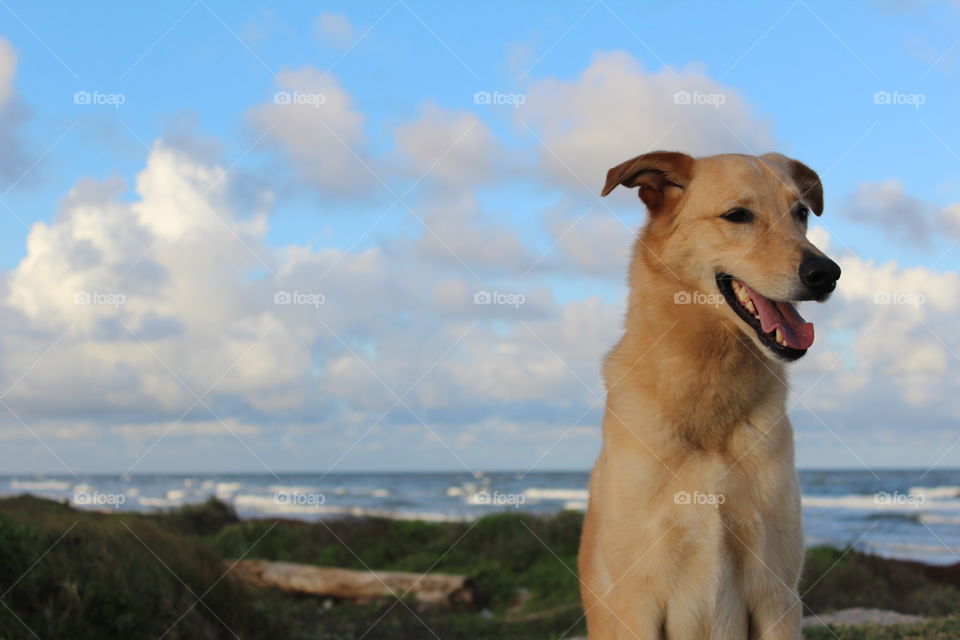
82,575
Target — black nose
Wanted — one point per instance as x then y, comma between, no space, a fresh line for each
819,273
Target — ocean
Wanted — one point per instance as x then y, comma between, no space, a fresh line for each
911,514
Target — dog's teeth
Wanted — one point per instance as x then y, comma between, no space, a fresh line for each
749,305
779,336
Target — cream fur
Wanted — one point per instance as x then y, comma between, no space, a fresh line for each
696,403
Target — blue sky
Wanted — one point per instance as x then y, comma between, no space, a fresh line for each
308,198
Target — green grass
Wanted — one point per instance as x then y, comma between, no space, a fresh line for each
504,553
839,579
102,576
83,576
938,629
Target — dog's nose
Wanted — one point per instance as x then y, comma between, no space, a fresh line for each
819,273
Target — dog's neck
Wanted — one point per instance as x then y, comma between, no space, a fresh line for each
704,373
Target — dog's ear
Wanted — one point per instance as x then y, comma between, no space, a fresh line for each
807,181
661,175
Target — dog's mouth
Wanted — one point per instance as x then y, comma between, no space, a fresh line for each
777,323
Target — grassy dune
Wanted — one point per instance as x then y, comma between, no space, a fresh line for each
143,576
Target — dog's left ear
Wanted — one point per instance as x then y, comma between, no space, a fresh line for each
661,175
806,179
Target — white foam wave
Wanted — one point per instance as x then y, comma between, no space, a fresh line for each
270,504
226,489
539,493
156,503
934,518
281,488
908,548
39,485
936,493
267,505
884,502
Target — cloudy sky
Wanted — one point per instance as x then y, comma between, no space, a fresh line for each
237,237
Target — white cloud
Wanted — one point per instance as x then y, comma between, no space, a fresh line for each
594,243
335,29
455,148
8,65
168,269
886,344
13,114
460,234
189,255
191,319
312,120
888,207
616,110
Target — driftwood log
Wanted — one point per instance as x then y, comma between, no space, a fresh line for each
435,589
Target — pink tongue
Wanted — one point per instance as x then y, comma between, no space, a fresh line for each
797,332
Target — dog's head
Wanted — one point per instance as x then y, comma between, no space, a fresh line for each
737,224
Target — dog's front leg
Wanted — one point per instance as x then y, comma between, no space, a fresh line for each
618,620
771,590
629,609
776,616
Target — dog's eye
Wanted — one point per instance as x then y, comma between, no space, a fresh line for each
803,213
738,215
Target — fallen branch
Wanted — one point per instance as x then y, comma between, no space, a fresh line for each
436,589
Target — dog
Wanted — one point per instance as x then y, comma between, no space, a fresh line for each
693,530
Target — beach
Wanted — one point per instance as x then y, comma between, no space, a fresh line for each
101,570
906,514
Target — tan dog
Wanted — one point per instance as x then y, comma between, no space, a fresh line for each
693,530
